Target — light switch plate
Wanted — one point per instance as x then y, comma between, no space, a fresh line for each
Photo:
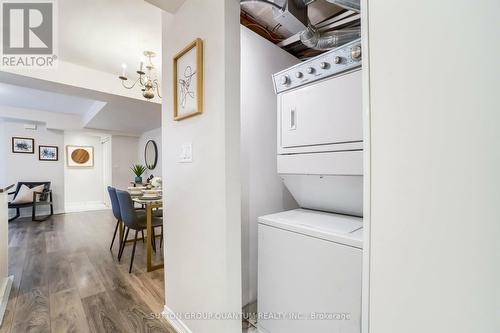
186,155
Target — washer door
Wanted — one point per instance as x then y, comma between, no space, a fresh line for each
307,284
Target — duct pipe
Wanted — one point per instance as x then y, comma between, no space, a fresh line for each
317,40
353,5
275,5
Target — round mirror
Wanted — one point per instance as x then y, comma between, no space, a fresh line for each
151,155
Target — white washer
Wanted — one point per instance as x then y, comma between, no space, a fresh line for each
310,265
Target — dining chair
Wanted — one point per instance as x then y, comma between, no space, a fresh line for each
135,220
115,207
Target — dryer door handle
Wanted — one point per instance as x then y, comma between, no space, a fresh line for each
293,119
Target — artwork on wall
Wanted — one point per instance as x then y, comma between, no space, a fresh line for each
188,81
80,156
23,145
48,153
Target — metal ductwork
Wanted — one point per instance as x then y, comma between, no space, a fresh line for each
317,40
292,14
326,40
353,5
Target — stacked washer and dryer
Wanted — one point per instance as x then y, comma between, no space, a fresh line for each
310,259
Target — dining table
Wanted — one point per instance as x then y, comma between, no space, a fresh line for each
149,204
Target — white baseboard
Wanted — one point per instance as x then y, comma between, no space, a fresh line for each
4,295
74,207
174,321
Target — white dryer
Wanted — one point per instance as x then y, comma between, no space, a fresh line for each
310,272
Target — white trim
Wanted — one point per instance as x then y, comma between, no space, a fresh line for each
4,299
365,297
75,207
177,324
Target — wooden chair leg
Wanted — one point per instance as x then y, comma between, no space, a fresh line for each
114,235
142,232
133,253
123,244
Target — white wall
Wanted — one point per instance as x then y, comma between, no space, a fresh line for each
124,155
435,161
263,191
143,139
83,186
203,219
27,167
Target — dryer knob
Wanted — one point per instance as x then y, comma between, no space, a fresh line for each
356,52
285,80
310,70
298,75
337,60
324,65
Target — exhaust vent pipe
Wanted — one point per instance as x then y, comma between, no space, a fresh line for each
327,40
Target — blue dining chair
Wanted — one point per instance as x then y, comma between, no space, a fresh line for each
115,207
135,220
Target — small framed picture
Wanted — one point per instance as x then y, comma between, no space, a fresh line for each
188,81
48,153
23,145
80,156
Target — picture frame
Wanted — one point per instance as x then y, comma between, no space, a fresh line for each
48,153
188,81
79,156
23,145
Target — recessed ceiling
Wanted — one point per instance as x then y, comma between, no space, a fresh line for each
103,34
27,98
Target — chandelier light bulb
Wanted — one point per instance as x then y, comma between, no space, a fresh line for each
141,61
146,80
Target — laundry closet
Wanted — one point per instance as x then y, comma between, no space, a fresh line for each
302,195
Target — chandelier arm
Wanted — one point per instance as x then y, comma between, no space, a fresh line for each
130,87
155,82
140,80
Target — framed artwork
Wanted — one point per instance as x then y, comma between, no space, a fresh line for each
48,153
80,156
188,81
23,145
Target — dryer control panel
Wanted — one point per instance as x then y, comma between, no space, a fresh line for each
333,62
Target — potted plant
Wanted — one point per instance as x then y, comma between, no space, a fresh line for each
138,170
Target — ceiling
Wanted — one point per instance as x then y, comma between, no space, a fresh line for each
95,110
28,98
103,34
170,6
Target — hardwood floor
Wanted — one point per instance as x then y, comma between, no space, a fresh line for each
67,280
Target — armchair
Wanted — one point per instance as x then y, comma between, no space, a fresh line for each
43,198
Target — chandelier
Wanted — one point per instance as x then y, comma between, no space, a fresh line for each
147,79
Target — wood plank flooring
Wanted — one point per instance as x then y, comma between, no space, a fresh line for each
67,280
